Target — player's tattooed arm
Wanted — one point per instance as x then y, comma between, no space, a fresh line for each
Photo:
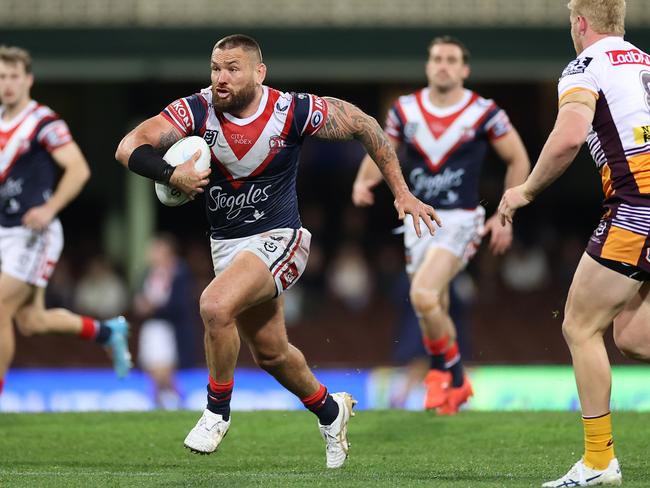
166,140
157,132
141,151
346,121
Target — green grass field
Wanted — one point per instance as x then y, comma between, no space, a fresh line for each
389,448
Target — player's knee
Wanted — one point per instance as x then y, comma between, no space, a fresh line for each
29,322
214,312
269,361
426,301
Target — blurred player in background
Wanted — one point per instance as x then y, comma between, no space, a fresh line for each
259,247
35,147
165,302
445,131
604,98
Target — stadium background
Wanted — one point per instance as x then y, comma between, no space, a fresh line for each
104,65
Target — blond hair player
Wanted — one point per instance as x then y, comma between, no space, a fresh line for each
604,99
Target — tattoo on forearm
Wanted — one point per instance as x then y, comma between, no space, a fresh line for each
166,140
346,121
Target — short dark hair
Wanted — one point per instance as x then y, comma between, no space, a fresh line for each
451,40
247,43
15,55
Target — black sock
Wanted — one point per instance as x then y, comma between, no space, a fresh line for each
457,374
328,412
323,406
219,402
103,334
438,361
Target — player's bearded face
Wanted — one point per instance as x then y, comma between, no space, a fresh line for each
228,99
234,81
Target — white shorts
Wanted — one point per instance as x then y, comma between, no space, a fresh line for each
30,255
157,345
284,251
460,234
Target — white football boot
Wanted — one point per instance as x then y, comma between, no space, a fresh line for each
336,434
581,475
207,434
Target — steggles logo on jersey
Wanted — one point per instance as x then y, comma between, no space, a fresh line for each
425,186
235,205
11,188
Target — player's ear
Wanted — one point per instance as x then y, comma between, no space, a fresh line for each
260,73
466,71
30,80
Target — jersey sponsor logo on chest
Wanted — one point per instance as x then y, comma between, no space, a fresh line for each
239,205
430,186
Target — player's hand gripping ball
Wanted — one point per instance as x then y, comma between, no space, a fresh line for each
178,154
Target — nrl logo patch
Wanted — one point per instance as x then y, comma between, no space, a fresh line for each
576,66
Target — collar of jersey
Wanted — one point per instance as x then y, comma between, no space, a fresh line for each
258,112
10,124
444,111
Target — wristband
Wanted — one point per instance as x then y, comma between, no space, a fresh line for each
145,162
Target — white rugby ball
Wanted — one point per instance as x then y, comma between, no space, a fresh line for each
178,154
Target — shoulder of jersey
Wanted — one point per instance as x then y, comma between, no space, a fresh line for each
43,111
407,99
484,102
282,103
588,59
206,93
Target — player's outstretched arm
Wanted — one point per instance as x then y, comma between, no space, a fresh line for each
75,174
567,137
345,122
141,151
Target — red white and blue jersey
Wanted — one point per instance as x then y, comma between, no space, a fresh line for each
445,147
252,186
28,173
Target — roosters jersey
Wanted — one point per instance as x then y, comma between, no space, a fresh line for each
252,186
28,174
618,74
445,147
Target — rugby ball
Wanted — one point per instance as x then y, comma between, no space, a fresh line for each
178,154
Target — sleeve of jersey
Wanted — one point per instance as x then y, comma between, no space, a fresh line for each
498,123
310,112
186,114
53,134
394,125
580,74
